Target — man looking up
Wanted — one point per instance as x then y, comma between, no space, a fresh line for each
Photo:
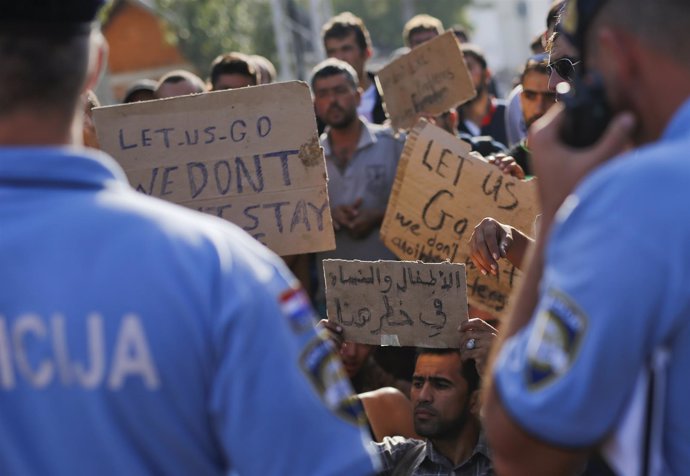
136,336
596,358
445,398
345,37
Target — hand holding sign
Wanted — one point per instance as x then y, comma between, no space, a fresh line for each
396,303
441,191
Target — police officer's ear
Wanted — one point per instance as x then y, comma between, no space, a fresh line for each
98,59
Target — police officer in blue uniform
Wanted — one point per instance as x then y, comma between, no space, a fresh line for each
137,337
596,354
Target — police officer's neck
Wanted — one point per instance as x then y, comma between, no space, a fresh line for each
39,128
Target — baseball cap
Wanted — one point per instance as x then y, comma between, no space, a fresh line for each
49,16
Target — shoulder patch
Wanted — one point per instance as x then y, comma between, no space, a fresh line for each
555,339
295,306
323,368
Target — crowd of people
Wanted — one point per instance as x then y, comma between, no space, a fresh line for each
138,337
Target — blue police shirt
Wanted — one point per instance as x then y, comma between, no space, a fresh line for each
138,337
614,310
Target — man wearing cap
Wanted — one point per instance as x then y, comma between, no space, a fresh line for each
137,337
596,352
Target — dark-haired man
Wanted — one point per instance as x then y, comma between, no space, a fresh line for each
232,71
136,336
484,115
445,398
345,37
361,159
596,356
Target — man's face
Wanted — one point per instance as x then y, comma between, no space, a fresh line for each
439,396
354,356
346,49
536,97
422,36
336,101
232,81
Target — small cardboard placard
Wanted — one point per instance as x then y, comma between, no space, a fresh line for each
250,155
441,192
430,79
397,303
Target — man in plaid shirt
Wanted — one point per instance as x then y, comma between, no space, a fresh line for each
445,396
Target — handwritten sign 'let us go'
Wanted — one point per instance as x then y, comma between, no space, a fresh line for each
397,303
440,194
249,155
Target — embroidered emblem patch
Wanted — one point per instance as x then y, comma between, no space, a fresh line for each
322,366
555,339
294,304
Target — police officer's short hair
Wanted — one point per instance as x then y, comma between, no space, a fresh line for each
332,67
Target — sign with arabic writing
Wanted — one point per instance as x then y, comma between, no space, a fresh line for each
399,303
441,192
248,155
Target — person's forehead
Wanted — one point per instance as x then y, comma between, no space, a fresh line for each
180,88
234,80
350,39
331,81
471,61
423,35
536,81
439,365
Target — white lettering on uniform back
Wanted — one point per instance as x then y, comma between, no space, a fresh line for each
6,372
132,356
30,324
93,377
57,324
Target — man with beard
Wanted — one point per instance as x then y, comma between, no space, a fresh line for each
361,159
535,99
445,397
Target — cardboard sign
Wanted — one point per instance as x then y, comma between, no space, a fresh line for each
431,78
250,155
397,303
440,194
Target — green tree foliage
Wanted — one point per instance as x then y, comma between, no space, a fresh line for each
384,18
204,29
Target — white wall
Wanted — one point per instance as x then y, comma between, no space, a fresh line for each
505,29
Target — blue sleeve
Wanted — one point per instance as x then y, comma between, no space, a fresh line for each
568,375
279,398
